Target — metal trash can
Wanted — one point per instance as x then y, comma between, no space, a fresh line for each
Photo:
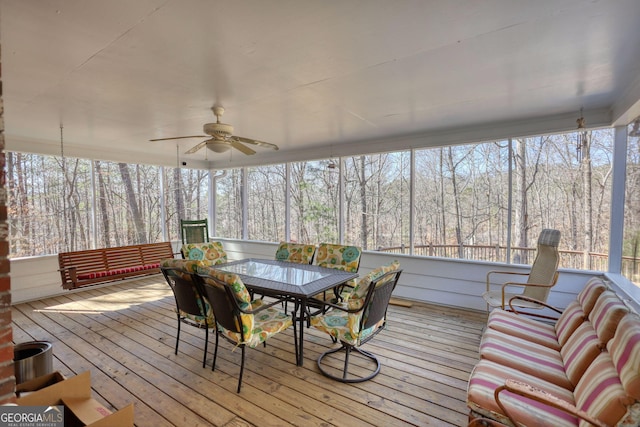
32,359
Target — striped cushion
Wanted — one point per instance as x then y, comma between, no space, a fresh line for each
624,348
571,318
606,314
552,336
523,327
600,394
524,356
590,293
580,350
488,375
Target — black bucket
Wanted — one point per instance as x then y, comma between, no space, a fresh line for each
31,360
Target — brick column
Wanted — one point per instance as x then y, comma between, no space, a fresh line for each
7,378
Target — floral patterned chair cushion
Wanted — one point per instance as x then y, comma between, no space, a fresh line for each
191,266
346,258
211,253
295,252
346,326
339,257
356,297
257,328
188,266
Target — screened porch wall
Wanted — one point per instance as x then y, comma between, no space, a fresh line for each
451,282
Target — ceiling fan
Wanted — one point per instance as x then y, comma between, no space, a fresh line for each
222,138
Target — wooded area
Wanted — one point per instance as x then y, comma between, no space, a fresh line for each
460,195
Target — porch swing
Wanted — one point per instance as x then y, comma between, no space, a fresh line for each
97,266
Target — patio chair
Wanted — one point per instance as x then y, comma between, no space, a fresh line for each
357,320
192,307
298,253
242,321
295,252
540,279
194,231
339,257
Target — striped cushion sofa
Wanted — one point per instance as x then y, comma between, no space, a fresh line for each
585,367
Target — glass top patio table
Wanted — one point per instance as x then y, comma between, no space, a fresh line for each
296,281
286,278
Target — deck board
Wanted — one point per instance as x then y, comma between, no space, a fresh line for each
125,335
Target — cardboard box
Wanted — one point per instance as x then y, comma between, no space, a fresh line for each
80,408
38,383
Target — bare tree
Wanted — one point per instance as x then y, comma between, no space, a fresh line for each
141,236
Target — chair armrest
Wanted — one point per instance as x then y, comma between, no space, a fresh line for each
502,272
72,270
261,308
336,306
531,392
523,285
533,300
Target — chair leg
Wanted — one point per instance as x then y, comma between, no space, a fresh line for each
347,349
206,343
241,370
295,337
215,353
178,335
347,352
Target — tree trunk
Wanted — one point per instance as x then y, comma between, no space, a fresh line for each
102,205
521,209
141,236
456,202
177,191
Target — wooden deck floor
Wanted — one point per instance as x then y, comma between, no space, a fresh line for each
125,335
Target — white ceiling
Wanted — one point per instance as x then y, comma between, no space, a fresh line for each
317,77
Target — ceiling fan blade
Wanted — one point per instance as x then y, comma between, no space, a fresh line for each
178,137
197,147
256,142
246,150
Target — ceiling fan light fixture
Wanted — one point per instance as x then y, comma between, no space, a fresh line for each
217,146
221,138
